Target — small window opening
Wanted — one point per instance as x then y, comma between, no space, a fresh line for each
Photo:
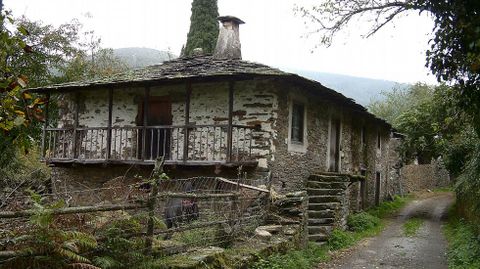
298,112
379,141
363,136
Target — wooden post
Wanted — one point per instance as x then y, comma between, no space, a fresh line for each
152,201
187,121
146,99
230,120
45,126
109,130
75,126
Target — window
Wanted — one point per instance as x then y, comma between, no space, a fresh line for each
363,137
378,178
297,129
379,141
297,124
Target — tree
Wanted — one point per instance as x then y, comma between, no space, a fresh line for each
203,27
427,115
454,54
37,54
18,107
395,103
101,63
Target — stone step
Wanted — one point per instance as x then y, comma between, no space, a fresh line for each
317,214
326,185
323,206
318,237
324,198
324,229
314,222
327,191
328,178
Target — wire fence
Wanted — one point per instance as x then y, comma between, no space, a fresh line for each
166,216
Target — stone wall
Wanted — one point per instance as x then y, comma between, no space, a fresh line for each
424,176
292,168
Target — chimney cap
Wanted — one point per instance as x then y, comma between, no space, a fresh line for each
230,18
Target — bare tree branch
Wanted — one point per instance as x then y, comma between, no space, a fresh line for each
331,16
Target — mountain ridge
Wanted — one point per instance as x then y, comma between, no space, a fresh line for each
362,90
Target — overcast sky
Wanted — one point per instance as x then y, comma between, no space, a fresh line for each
272,35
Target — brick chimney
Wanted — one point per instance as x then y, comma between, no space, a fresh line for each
228,42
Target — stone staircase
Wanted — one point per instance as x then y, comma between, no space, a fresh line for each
326,204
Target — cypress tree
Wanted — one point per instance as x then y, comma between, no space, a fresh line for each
203,27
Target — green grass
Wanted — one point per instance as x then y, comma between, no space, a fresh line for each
463,244
386,209
304,258
411,226
443,189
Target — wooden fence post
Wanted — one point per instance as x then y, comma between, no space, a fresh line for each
152,201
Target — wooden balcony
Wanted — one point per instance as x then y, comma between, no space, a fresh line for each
181,145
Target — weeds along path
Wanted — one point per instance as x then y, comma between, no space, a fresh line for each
425,246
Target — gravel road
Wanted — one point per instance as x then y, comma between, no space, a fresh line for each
392,249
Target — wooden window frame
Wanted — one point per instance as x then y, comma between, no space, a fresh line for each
293,145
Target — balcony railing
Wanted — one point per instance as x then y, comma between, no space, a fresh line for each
192,144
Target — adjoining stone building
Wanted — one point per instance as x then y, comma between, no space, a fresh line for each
209,115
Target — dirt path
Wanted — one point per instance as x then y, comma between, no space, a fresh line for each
392,249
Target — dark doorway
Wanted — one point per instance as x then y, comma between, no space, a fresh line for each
334,164
377,188
157,137
363,189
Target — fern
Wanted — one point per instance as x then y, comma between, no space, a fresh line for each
119,251
106,262
46,246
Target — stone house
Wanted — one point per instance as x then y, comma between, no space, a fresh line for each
210,115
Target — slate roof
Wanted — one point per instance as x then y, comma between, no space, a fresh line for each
205,67
181,68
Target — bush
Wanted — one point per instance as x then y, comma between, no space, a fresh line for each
464,245
340,239
362,221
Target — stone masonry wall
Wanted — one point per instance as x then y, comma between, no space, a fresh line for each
424,176
291,169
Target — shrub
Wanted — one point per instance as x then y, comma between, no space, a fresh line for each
340,239
464,245
45,245
362,221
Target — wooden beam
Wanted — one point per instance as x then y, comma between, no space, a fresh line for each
109,124
245,186
72,210
45,126
231,85
75,126
146,99
188,94
197,196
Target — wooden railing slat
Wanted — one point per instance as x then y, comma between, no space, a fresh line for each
208,142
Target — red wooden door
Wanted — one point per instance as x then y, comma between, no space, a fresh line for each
157,140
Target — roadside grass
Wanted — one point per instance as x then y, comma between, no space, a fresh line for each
463,243
443,189
411,226
361,225
388,208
